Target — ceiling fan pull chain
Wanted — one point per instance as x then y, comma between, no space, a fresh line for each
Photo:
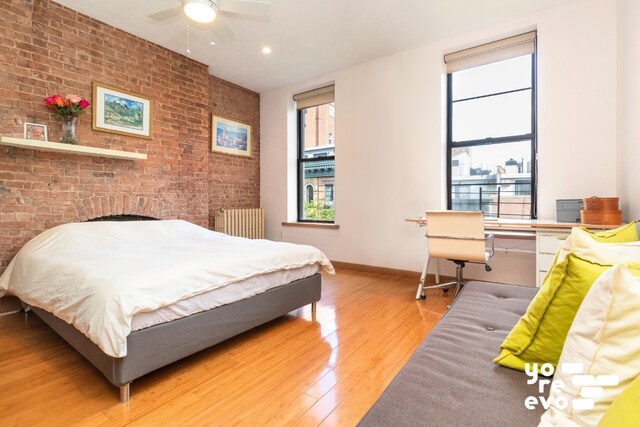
213,35
188,38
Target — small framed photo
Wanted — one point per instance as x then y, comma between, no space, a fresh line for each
121,112
35,131
230,137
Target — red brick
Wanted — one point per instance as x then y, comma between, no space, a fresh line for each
46,48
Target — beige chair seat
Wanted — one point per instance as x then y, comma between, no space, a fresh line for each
458,236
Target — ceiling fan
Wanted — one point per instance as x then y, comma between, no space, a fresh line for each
206,11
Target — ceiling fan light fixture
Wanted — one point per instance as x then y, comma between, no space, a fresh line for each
199,10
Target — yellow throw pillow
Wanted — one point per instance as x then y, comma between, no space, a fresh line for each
539,335
601,355
626,233
624,411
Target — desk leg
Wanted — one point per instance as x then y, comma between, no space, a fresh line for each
437,271
420,293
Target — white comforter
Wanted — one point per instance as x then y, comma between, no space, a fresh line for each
98,275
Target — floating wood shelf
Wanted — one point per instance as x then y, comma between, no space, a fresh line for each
70,149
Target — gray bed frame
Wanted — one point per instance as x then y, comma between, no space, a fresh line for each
160,345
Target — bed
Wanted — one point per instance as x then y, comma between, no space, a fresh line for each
172,287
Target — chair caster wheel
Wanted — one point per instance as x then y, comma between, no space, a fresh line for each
487,268
423,296
445,290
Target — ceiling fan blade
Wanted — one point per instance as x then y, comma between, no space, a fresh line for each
249,8
166,14
222,31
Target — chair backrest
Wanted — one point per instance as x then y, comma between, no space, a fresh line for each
456,235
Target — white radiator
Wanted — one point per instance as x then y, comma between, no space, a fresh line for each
240,222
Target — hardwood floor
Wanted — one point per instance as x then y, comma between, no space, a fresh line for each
291,371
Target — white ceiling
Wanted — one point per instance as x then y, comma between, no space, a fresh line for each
308,37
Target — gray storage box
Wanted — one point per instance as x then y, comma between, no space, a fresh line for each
568,210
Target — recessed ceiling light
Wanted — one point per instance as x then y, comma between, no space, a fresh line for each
266,50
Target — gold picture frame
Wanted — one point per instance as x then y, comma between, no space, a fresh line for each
230,137
121,112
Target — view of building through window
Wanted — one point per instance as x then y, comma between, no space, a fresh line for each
317,163
491,139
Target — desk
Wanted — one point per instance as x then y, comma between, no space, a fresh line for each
548,234
523,224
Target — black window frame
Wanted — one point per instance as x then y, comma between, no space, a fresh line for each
498,140
301,162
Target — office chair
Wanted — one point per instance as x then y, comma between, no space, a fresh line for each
458,236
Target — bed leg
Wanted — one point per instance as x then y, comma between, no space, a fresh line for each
125,393
313,309
27,309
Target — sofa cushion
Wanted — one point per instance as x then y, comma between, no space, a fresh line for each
603,346
624,411
539,335
619,244
623,234
450,379
582,243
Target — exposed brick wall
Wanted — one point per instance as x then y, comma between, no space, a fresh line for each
236,183
45,49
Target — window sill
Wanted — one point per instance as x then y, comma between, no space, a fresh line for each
311,225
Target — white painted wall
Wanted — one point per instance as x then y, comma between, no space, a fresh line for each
390,137
629,107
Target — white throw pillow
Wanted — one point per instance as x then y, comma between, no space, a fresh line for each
583,245
602,347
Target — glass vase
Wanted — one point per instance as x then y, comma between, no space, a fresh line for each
69,135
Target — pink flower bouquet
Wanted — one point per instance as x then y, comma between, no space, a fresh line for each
70,106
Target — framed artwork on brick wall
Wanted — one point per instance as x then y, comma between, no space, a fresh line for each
35,131
122,112
230,137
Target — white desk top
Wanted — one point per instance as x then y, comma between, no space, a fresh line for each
523,224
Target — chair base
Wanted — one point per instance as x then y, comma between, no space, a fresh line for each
458,285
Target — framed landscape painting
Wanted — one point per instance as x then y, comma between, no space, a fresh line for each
118,111
230,137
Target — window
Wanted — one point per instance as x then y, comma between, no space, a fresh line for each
316,155
328,195
309,193
491,128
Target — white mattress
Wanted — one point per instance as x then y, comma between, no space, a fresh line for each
221,296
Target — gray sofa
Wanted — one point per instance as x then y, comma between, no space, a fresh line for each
451,380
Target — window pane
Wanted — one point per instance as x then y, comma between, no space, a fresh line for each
328,194
495,116
497,77
319,190
495,179
319,128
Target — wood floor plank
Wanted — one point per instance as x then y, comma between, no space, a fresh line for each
295,370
